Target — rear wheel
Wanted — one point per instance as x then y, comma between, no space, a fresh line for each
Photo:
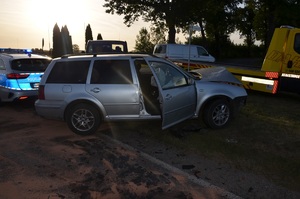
83,119
217,114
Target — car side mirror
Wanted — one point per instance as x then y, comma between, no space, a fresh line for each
197,75
191,81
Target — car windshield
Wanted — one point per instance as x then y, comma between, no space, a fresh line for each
38,65
188,73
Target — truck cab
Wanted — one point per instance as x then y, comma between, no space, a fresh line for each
283,58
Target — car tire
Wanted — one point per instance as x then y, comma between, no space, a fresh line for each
83,119
217,114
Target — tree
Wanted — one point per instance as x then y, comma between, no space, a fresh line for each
157,35
88,33
219,21
143,42
99,37
198,17
168,13
57,42
272,14
66,41
62,41
244,22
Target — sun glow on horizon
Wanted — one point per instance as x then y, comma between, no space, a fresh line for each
25,23
44,14
62,12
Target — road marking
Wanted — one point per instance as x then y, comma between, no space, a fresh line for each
198,181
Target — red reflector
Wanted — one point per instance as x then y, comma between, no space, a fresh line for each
23,97
272,74
41,95
17,75
275,87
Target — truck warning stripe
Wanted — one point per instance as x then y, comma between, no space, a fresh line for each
272,74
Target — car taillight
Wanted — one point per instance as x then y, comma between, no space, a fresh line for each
17,75
41,95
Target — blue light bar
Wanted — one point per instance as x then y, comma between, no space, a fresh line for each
15,50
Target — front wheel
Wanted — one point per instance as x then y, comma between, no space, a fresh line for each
217,114
83,119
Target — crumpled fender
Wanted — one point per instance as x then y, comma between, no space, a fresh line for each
217,74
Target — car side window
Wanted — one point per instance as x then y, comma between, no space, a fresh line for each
160,49
202,51
297,43
168,76
71,72
2,66
111,72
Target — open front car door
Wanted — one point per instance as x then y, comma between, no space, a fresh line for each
177,95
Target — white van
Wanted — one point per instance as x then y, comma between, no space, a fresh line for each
183,52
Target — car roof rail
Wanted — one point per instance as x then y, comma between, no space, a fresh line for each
68,55
6,54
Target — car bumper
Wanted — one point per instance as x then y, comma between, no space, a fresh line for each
51,111
8,95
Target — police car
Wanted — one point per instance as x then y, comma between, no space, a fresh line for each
20,74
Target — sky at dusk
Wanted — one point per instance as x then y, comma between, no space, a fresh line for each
24,23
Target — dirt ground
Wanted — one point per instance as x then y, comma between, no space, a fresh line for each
42,158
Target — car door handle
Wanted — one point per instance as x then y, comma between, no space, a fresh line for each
96,90
168,97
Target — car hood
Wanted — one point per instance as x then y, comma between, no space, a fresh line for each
217,74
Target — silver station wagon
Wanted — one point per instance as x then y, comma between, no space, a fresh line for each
87,90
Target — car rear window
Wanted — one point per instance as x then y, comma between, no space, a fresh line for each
71,72
35,65
106,47
111,72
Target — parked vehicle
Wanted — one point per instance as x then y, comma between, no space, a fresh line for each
20,74
175,52
135,87
280,71
106,46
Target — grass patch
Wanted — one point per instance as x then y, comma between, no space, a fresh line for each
264,139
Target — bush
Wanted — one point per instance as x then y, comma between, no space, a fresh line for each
228,50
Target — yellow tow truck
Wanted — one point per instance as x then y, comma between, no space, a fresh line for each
280,70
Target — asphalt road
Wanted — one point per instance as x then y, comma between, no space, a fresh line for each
41,158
